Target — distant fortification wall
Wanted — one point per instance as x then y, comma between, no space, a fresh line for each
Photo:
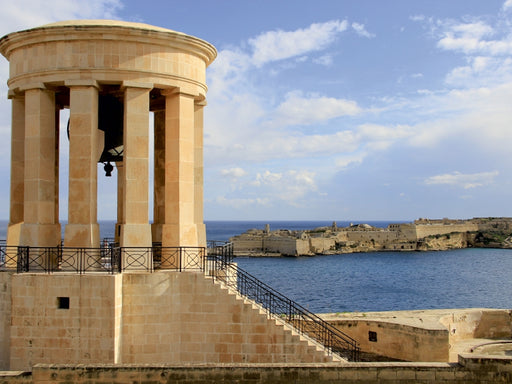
375,236
424,230
250,244
423,234
279,244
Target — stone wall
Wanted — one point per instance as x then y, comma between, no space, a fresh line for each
139,318
63,318
397,341
377,236
321,244
278,244
184,317
478,324
248,244
5,319
424,230
469,370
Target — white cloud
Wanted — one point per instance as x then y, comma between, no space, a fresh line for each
279,45
233,173
346,161
325,60
274,188
361,30
465,181
289,186
481,71
417,18
470,38
507,5
480,116
241,202
267,178
306,110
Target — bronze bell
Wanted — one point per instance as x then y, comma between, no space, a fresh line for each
110,121
108,168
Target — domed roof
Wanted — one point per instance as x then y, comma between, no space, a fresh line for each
106,23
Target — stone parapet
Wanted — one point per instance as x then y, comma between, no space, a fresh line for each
469,372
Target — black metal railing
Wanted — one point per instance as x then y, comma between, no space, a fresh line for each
109,258
222,269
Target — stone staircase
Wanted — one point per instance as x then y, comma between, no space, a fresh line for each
305,348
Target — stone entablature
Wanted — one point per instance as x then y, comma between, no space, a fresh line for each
107,51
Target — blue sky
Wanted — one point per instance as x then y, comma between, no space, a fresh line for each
332,110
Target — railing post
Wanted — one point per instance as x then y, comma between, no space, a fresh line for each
27,259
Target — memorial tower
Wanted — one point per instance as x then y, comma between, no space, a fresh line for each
110,74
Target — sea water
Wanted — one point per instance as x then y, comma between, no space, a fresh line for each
374,281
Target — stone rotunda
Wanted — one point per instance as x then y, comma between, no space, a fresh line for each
111,75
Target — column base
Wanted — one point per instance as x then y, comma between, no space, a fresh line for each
135,235
13,240
135,241
201,235
82,235
40,235
175,235
156,232
14,234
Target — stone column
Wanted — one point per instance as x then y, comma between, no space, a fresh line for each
82,229
158,176
17,169
135,229
180,226
41,227
198,173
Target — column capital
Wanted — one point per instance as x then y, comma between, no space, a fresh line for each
81,83
136,84
179,91
15,93
27,87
